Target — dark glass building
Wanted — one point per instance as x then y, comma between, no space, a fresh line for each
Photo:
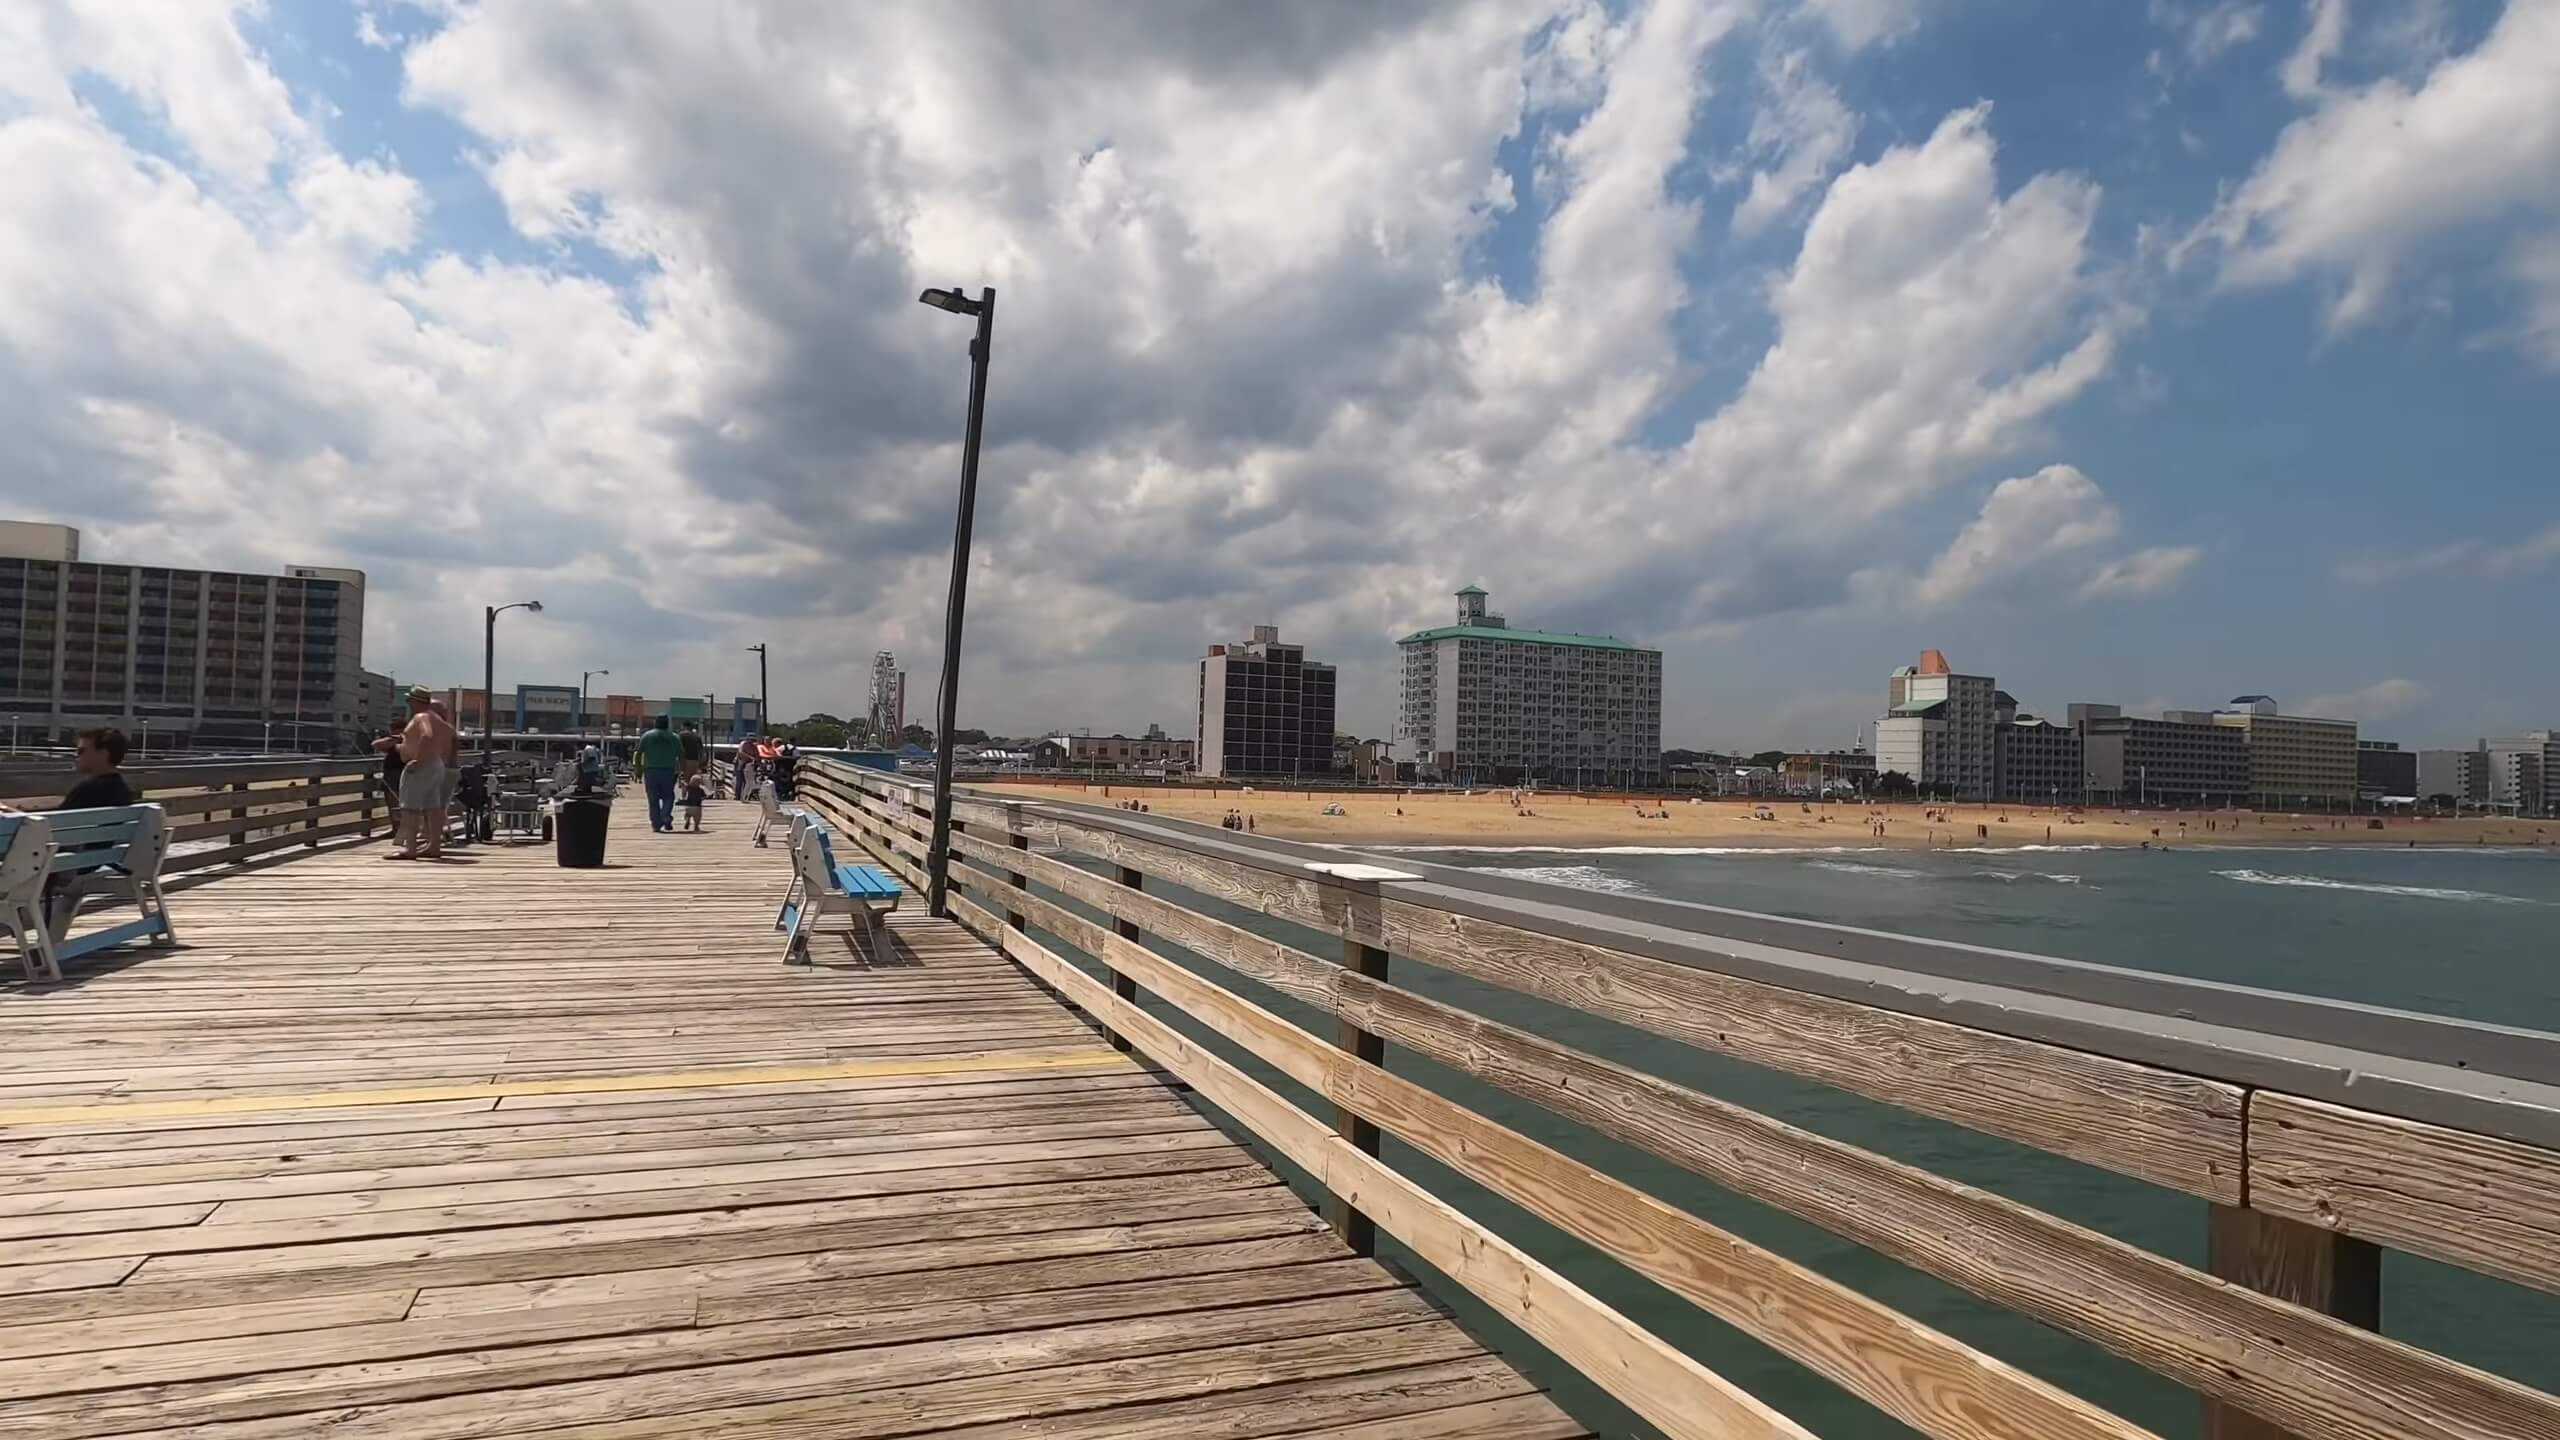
1265,709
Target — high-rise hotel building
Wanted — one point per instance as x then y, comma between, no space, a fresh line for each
1483,703
1265,709
190,658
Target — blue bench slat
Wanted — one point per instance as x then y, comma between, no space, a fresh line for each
867,882
113,935
86,840
99,858
81,836
97,815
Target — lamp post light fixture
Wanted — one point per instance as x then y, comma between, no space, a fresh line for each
764,695
489,680
937,860
583,677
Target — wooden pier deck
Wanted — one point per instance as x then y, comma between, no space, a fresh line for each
493,1148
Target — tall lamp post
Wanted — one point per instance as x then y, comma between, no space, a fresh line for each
489,681
764,695
583,677
937,857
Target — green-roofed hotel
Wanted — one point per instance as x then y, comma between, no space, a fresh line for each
1485,704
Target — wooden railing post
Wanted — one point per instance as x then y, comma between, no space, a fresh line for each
1355,1227
311,813
1121,985
240,813
2317,1269
1019,841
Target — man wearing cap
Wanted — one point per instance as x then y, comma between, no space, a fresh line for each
427,746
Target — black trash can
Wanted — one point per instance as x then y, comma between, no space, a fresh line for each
580,831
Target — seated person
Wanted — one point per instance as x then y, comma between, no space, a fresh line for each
101,786
101,783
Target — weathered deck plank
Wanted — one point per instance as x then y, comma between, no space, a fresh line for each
489,1147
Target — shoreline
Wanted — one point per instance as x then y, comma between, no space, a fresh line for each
1491,822
1793,847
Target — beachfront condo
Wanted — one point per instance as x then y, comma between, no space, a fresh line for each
2294,760
1939,729
177,658
1485,704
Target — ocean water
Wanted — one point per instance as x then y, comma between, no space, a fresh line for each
2473,933
2467,932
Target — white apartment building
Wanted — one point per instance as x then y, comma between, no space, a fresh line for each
2524,773
1939,728
2460,775
1483,703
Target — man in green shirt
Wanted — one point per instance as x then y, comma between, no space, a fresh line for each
656,758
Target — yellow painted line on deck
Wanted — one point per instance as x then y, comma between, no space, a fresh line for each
586,1085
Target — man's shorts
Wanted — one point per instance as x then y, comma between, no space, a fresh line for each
426,785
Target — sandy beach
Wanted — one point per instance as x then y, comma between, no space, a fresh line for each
1489,818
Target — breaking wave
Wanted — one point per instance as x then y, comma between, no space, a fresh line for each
2410,892
1853,867
1579,877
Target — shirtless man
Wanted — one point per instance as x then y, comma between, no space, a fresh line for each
427,752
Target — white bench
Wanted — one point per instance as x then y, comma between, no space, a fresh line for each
820,886
96,852
773,811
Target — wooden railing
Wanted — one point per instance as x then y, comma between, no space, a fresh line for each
2315,1131
224,813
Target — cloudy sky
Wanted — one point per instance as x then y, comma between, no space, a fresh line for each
2155,353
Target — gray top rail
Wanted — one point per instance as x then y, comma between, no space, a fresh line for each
2489,1079
2317,1131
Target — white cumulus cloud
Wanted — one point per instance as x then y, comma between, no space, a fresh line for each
2536,551
2024,522
2144,572
1798,138
1249,363
2378,701
2372,175
2322,36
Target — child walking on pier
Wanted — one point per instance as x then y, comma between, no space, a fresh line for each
694,794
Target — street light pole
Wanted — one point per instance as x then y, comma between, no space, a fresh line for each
764,692
937,860
583,676
489,681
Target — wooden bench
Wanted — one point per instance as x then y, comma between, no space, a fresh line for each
820,886
94,852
